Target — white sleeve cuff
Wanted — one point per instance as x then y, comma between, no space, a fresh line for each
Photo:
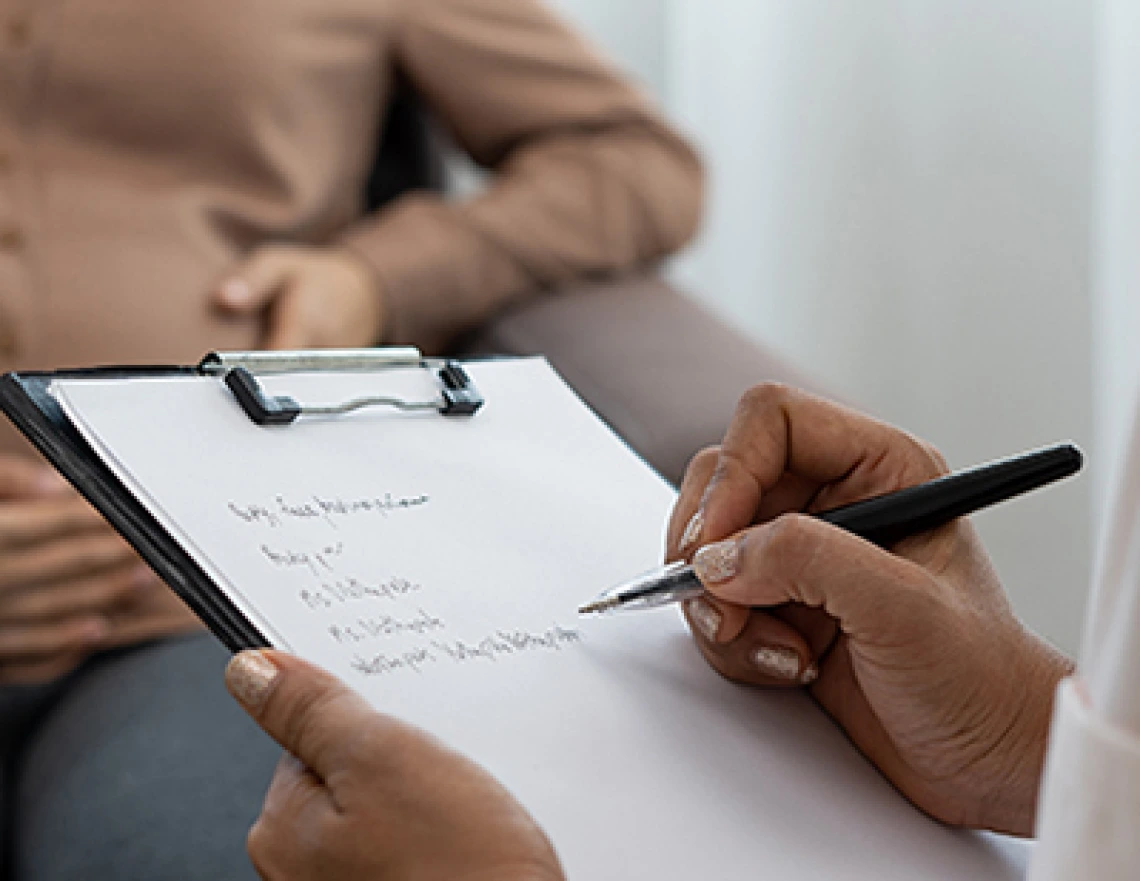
1088,816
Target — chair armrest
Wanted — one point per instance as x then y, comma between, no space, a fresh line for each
659,368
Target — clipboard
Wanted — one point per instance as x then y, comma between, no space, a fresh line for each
26,400
619,739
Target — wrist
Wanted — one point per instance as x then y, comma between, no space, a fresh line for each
1010,806
369,283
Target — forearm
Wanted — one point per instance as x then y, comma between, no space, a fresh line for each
571,205
588,178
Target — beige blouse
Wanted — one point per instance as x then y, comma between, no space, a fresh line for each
145,147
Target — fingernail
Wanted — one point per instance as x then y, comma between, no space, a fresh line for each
249,676
717,562
777,662
705,617
51,482
236,291
692,533
810,675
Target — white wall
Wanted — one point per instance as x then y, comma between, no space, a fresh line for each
632,31
902,204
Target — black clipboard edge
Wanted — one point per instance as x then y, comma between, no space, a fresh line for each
24,398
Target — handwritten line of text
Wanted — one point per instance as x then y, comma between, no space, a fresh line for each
275,513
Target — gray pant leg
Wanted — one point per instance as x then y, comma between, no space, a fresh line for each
20,705
144,768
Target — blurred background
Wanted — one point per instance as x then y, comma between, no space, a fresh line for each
905,198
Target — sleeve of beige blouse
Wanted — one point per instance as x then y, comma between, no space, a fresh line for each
588,177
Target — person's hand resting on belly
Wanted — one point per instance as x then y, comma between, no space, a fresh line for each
69,585
310,297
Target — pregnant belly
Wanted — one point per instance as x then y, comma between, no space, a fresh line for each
147,308
141,305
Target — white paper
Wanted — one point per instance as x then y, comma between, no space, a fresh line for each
436,564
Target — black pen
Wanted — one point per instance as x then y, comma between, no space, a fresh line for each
883,520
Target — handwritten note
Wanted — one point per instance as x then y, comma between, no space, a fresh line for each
371,615
435,564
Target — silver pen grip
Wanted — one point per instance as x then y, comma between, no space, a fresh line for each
673,583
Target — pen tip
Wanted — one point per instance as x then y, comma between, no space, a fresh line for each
597,607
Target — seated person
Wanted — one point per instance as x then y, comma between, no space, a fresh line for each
949,695
195,183
177,178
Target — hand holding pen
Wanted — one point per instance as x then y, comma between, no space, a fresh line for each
905,649
884,520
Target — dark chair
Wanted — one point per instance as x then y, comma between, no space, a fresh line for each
407,157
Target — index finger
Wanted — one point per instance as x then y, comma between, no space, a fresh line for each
840,454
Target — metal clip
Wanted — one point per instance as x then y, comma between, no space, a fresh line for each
458,395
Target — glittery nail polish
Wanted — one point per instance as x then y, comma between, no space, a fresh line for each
777,662
249,676
705,617
717,562
692,533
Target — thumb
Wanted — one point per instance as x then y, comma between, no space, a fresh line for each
311,713
801,559
253,285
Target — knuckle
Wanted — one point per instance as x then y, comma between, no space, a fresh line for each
927,458
787,533
937,460
789,542
307,713
762,397
705,460
299,709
